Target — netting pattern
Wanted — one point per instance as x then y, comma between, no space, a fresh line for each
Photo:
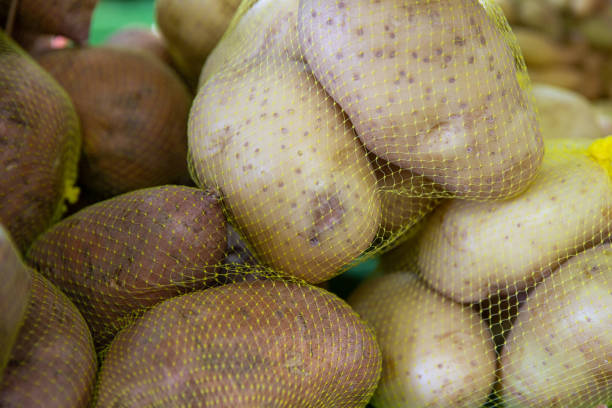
134,129
132,251
39,145
53,363
265,343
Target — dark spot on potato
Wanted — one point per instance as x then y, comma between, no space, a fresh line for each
359,31
330,21
471,60
378,53
313,13
459,41
483,40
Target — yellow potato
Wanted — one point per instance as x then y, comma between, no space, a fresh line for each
565,114
436,353
559,352
431,87
291,172
470,250
192,28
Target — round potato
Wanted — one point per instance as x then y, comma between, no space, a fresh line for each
134,129
15,282
430,86
192,28
132,251
470,250
436,353
249,344
559,351
565,114
53,363
39,145
292,174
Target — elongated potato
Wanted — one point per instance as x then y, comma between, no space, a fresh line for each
565,114
436,353
15,283
470,250
292,174
53,363
431,87
132,251
192,28
39,145
559,352
249,344
134,129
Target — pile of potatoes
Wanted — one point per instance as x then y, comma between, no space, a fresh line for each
176,204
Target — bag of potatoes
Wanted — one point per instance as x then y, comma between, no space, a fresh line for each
329,128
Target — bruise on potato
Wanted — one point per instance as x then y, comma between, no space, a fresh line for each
39,145
15,283
70,18
132,251
134,129
266,343
53,363
429,86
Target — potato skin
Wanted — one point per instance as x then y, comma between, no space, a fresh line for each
15,283
436,353
431,87
141,38
133,251
217,347
293,176
471,250
53,363
39,145
559,350
134,130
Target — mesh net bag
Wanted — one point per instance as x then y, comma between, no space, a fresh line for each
260,343
52,362
39,145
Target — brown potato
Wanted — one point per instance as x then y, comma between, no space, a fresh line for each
436,353
39,145
266,343
133,111
70,18
15,282
141,38
432,87
53,363
132,251
559,352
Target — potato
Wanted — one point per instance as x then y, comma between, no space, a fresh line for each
405,197
436,353
431,87
292,174
558,353
134,129
603,113
132,251
140,38
39,145
471,250
15,286
565,114
70,18
53,364
192,28
265,343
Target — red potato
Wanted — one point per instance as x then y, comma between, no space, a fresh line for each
132,251
133,110
70,18
39,145
266,343
53,363
15,283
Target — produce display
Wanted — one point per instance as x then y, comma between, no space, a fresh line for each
307,203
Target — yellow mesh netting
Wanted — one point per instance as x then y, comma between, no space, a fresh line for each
39,145
324,133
